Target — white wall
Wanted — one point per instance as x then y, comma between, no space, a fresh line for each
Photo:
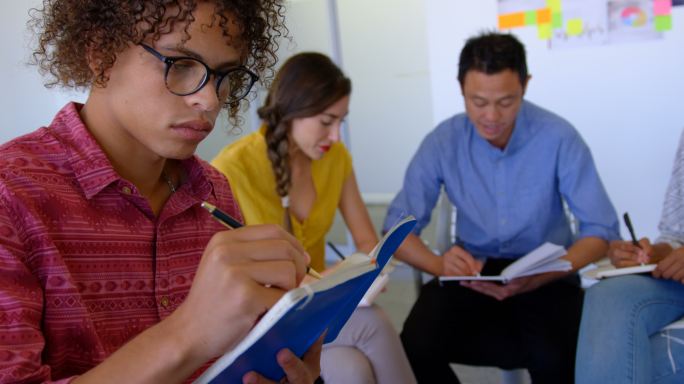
26,104
384,53
626,99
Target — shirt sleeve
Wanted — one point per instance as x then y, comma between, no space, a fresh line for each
671,224
21,308
583,191
422,183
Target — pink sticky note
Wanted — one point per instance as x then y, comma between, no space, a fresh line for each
662,7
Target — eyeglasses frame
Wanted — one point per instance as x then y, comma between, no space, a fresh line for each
219,76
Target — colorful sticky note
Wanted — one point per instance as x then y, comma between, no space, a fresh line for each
544,16
531,18
575,27
545,31
662,7
663,23
512,20
557,20
555,5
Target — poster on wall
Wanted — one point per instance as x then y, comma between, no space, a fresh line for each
576,23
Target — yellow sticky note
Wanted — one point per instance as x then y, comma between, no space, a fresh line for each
575,27
544,31
555,5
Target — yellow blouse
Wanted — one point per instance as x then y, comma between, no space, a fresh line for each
249,172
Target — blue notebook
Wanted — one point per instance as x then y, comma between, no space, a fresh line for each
301,316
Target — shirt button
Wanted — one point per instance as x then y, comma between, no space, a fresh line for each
126,190
503,221
165,302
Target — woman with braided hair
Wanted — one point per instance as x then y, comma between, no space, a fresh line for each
295,172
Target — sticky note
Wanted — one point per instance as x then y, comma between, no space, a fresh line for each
662,7
555,5
663,23
575,27
544,31
557,20
531,18
512,20
544,16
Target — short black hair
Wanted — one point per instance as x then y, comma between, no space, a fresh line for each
493,52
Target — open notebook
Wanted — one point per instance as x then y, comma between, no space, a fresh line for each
545,258
301,316
610,271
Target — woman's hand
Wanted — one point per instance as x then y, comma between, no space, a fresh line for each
626,254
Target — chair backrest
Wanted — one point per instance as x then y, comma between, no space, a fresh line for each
445,224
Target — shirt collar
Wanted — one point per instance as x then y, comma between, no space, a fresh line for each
90,165
522,131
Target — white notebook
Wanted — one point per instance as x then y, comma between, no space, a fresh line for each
545,258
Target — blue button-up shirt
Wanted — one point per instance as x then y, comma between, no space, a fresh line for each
508,201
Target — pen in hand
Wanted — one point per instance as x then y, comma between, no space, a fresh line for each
628,223
635,242
231,223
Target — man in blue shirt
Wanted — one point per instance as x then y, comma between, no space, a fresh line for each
507,165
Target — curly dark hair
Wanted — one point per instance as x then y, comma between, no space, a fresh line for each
67,29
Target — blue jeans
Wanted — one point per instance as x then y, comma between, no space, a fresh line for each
621,338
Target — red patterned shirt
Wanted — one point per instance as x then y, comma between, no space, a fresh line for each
85,265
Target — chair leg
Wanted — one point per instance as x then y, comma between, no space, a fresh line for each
418,279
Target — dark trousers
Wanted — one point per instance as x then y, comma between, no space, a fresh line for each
535,330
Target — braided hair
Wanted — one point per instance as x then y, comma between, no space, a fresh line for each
305,86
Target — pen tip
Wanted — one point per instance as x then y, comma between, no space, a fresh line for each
312,272
208,206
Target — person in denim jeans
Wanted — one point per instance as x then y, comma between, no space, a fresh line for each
622,339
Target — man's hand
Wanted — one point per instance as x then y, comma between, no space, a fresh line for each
625,254
514,287
304,371
242,274
671,267
458,262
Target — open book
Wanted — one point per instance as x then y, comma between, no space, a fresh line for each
545,258
301,316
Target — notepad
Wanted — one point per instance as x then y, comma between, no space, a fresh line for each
301,316
611,271
545,258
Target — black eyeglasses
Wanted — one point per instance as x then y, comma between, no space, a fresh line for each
187,75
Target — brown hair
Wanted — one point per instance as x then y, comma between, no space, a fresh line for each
305,85
68,29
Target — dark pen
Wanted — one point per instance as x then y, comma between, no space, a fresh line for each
628,223
231,223
337,251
